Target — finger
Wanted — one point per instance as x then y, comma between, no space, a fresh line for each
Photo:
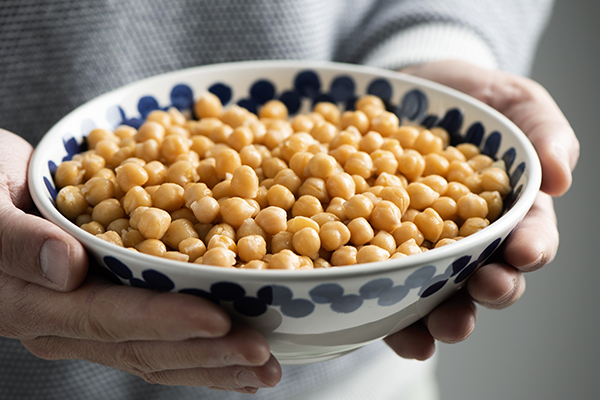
189,362
102,311
414,342
242,346
32,248
453,320
534,242
527,104
228,378
496,285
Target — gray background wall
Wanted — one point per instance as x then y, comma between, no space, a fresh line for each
547,345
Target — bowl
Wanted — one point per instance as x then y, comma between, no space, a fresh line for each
311,315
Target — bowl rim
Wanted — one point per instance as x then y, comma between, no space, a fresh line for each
457,249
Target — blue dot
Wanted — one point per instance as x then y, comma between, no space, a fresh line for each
346,304
512,197
393,295
489,250
475,134
147,104
460,264
323,98
509,158
292,101
374,288
435,287
51,188
275,294
118,267
420,276
227,291
342,89
517,173
72,147
200,293
381,88
158,280
326,293
249,104
492,144
414,105
250,306
297,308
466,272
430,121
452,121
307,83
222,91
262,91
182,97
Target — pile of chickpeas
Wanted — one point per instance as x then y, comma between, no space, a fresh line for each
235,189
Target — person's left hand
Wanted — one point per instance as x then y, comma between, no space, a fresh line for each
534,243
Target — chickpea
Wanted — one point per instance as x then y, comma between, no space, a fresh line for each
252,247
307,242
336,207
153,247
98,134
272,219
411,164
451,153
223,241
131,174
495,179
421,195
323,132
315,187
206,209
111,237
472,225
357,119
153,223
91,163
69,173
449,230
386,123
107,211
157,173
182,173
244,182
345,255
384,162
446,207
361,232
427,143
334,235
406,135
370,142
285,259
360,163
409,247
222,229
436,164
168,196
430,224
324,217
408,230
471,205
226,162
219,257
71,202
302,123
134,198
307,206
479,162
281,241
456,190
385,240
236,210
93,227
358,206
147,150
131,237
494,202
340,185
280,196
371,253
208,105
178,230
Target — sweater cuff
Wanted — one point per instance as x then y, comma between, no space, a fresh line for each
430,42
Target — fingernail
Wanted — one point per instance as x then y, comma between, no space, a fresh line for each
249,378
54,261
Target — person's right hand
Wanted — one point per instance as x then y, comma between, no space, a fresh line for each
48,303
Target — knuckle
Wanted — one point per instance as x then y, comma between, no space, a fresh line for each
133,358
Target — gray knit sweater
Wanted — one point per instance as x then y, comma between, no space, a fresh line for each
57,54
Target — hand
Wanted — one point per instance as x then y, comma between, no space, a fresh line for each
47,302
534,242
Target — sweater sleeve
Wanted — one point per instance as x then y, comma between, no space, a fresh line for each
494,34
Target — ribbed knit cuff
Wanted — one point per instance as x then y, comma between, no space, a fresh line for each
432,42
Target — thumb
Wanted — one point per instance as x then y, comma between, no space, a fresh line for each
32,248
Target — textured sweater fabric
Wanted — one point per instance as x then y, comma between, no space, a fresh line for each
57,54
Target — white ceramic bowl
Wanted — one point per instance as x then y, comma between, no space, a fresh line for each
315,315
